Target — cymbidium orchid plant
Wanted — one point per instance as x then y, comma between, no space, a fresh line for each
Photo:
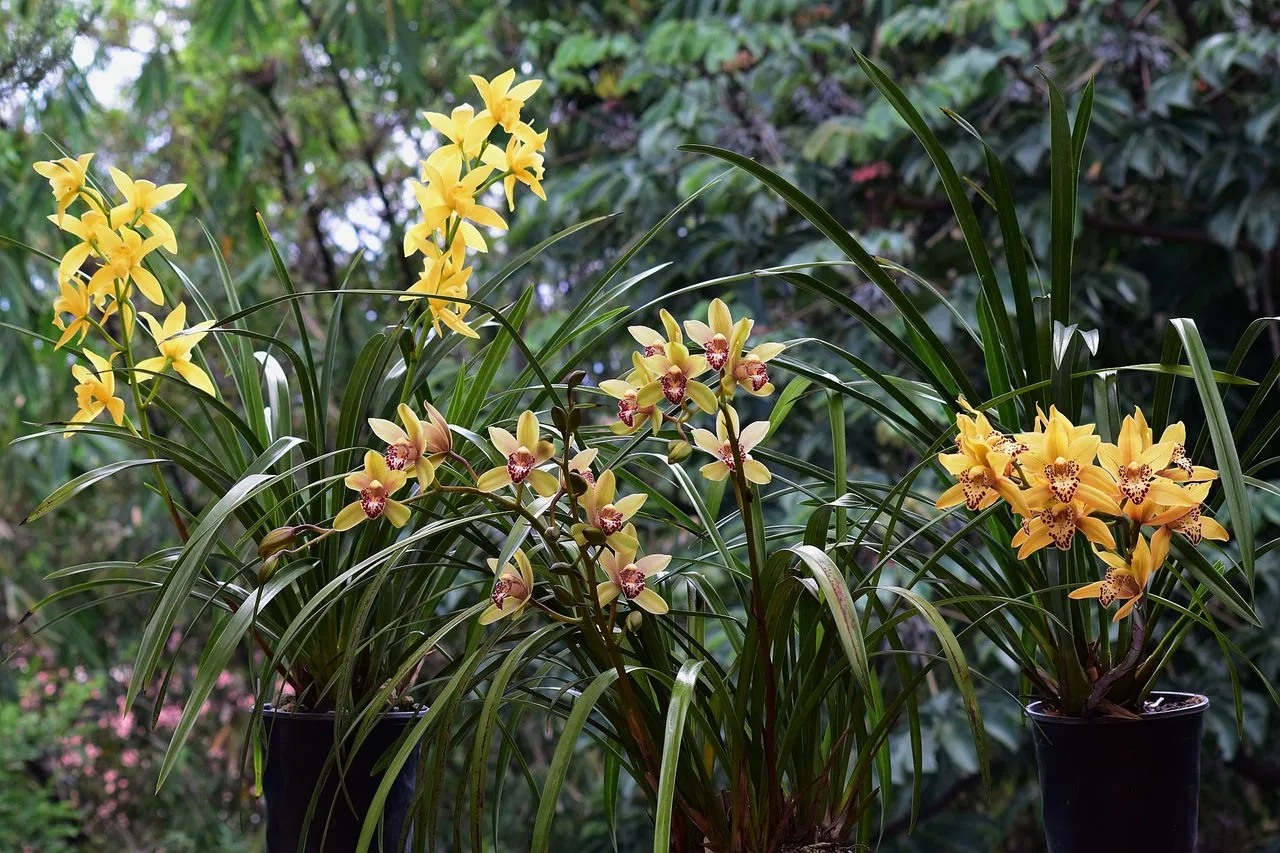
482,545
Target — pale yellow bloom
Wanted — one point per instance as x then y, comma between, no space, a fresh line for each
512,588
714,335
607,515
376,483
720,446
675,370
95,392
653,341
748,368
417,447
176,344
141,198
629,577
631,415
524,452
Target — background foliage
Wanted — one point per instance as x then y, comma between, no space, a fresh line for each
309,111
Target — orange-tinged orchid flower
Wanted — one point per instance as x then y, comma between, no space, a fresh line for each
512,589
376,483
1126,580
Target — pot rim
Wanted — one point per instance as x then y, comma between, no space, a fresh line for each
1035,712
270,711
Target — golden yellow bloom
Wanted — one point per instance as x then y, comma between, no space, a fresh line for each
67,178
721,447
84,227
503,101
75,300
631,415
629,576
521,162
1059,465
1126,581
748,369
524,452
175,344
418,447
466,137
376,483
653,341
141,198
443,281
1180,467
122,255
1190,521
608,516
1135,463
1057,524
512,588
675,370
449,192
982,471
95,392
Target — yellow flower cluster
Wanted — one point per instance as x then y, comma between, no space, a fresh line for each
1060,478
453,178
96,279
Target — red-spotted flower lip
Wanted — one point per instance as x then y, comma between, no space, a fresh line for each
373,499
520,463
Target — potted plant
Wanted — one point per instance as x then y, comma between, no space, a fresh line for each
454,554
1084,559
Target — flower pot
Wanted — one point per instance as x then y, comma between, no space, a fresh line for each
298,744
1109,784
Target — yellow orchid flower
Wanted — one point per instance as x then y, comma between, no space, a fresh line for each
84,227
122,255
1135,463
1180,467
75,300
376,483
442,282
512,588
721,447
608,516
141,198
1190,521
67,177
675,369
459,127
653,341
524,452
502,101
982,472
629,576
631,415
175,344
520,162
1057,524
449,192
1126,580
95,392
748,368
417,447
1059,466
714,335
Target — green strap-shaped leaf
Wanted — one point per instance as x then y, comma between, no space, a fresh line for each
677,710
70,489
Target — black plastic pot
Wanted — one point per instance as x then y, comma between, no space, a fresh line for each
1130,786
298,745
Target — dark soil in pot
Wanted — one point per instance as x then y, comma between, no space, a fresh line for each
1130,786
298,744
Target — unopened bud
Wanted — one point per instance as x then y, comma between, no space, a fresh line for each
268,568
578,483
678,450
277,540
634,620
560,569
593,536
